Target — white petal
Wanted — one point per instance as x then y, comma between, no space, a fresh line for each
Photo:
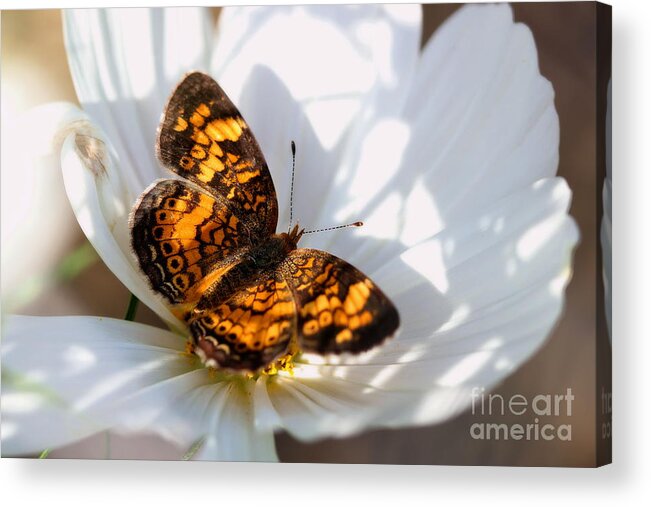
374,145
35,211
34,419
87,373
475,302
479,124
479,267
483,117
97,192
312,405
285,88
266,416
167,407
125,63
231,431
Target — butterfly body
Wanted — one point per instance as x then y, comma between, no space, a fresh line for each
260,261
207,243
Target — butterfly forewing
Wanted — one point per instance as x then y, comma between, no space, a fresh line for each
204,138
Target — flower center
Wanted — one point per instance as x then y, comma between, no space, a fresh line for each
284,363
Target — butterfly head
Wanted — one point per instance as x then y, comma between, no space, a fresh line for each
291,238
294,236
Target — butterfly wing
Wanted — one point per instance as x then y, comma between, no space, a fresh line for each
250,329
204,138
339,309
185,239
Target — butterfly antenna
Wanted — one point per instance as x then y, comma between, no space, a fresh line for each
291,204
291,190
353,224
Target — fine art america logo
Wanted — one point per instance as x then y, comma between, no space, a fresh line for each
537,416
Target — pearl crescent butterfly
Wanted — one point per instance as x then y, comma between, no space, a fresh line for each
207,242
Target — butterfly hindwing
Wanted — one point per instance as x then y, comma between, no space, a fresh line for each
339,309
184,239
249,330
204,138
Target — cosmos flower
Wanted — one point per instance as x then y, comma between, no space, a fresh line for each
447,153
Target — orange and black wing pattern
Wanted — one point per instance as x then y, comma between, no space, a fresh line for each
339,309
206,243
185,239
204,138
249,330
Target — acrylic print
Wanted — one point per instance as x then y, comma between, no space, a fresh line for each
308,233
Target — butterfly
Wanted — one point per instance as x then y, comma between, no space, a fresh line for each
207,243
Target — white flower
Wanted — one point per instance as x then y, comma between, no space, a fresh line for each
448,155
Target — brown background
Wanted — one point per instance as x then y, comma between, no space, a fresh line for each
565,37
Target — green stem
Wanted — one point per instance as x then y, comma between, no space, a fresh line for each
44,454
194,448
76,262
70,267
133,307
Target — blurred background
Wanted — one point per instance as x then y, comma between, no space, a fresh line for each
65,276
